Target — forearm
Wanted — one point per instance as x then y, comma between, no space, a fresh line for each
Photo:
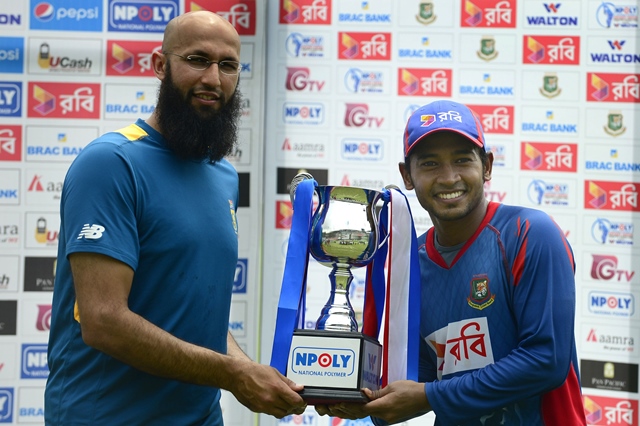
233,349
135,341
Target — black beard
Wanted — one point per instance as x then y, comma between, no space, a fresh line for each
193,134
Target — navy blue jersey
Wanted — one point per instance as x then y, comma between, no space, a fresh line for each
497,324
173,222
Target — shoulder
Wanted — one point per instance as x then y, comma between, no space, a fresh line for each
522,217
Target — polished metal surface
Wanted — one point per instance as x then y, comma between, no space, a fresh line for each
344,235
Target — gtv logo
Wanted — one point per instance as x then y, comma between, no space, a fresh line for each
323,361
605,267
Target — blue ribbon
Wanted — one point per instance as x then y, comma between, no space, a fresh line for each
292,293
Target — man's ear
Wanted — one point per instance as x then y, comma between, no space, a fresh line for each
159,62
406,176
488,167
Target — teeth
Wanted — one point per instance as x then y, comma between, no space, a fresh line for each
451,195
206,98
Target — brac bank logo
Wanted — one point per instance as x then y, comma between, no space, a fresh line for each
329,362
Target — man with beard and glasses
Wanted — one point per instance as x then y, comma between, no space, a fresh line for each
147,254
497,343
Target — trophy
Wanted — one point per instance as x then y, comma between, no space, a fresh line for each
334,361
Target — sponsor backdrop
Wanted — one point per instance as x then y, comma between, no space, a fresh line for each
328,86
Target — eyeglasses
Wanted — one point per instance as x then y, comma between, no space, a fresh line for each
201,63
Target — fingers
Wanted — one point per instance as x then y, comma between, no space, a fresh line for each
322,410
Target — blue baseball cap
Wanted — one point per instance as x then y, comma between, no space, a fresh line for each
442,116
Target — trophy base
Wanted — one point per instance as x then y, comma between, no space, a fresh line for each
320,396
334,366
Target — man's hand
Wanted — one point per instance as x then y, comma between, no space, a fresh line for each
263,389
399,401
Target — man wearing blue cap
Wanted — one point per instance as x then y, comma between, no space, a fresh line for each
498,294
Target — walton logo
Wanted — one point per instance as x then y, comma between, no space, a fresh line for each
91,232
552,7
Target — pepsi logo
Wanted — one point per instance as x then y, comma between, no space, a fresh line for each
43,11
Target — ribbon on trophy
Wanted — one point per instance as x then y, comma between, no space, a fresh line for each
391,304
393,308
291,306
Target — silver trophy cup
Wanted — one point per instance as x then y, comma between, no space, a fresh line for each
344,234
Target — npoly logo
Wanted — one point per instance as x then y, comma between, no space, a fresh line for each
611,303
323,361
141,16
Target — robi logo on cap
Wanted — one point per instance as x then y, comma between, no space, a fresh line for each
43,12
427,120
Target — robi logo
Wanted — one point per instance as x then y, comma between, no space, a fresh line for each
43,12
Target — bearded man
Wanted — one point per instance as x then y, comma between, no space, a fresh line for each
147,255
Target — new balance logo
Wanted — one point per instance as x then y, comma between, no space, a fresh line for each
91,232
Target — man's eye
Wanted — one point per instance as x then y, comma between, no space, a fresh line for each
226,66
197,59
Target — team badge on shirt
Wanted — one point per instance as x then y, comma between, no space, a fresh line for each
480,296
233,217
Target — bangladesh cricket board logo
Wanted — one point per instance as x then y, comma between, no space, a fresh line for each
480,296
550,88
614,126
487,50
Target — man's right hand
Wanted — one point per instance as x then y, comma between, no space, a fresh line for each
263,389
